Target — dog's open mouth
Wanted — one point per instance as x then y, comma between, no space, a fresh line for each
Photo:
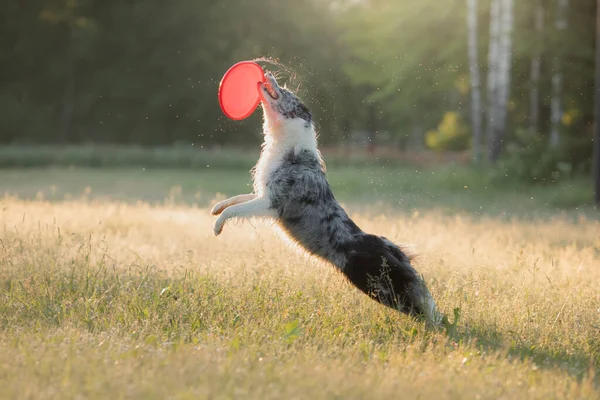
272,92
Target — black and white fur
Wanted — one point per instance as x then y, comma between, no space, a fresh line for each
291,188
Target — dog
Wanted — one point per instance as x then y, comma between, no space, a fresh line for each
291,189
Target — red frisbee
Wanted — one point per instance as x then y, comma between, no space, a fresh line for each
238,91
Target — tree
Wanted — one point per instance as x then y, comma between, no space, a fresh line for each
475,80
411,62
492,78
499,73
561,25
536,65
147,72
75,32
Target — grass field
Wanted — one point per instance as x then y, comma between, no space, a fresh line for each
104,296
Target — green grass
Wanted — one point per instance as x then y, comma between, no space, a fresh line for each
194,175
452,189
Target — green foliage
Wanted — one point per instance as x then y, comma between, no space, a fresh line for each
451,328
80,71
292,332
147,73
411,58
451,134
530,159
111,156
413,64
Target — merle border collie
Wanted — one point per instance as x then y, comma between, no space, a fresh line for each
291,189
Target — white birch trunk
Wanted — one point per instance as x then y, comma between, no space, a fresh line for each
557,79
505,64
475,80
536,66
492,117
502,68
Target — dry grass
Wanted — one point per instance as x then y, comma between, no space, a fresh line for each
109,300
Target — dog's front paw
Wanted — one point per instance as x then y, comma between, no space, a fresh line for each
218,208
218,228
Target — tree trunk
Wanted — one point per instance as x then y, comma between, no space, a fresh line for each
475,80
557,79
504,72
372,130
416,137
500,90
68,104
492,118
68,98
536,66
596,166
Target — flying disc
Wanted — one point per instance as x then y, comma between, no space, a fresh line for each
238,91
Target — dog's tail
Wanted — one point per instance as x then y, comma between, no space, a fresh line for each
383,271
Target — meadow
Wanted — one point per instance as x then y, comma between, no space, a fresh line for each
113,286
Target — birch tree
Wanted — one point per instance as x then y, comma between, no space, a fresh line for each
536,64
557,79
493,72
504,72
475,79
499,77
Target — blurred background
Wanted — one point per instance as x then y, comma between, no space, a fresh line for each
455,103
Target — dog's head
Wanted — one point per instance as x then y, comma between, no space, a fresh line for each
283,110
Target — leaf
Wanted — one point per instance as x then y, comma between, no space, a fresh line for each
451,327
292,332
